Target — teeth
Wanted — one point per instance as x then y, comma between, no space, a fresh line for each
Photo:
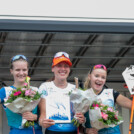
62,72
98,83
21,77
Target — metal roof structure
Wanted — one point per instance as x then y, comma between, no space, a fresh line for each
111,44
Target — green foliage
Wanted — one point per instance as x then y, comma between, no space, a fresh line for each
83,89
12,97
75,122
28,124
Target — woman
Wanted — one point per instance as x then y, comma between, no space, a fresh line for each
96,80
61,69
19,70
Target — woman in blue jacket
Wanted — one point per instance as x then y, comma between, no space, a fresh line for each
19,70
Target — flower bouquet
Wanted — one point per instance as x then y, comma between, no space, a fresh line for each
103,116
80,101
22,99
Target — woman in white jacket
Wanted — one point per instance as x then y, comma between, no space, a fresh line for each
61,69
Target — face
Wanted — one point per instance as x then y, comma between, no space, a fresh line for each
19,71
97,79
61,71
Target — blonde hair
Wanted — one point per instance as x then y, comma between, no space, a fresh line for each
87,81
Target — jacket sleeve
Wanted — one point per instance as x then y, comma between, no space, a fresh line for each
2,95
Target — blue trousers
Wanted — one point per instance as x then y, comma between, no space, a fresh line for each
24,131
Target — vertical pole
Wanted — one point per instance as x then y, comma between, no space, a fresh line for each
131,117
125,125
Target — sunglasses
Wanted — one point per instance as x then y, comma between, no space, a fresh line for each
100,66
16,57
59,54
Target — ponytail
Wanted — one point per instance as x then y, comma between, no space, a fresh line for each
87,81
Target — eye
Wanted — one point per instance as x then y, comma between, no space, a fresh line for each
59,65
97,75
66,65
17,69
103,77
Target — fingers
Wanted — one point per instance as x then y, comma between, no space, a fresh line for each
80,117
47,123
29,116
27,113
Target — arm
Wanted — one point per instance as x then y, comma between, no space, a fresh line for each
42,107
2,95
42,119
84,130
124,101
91,131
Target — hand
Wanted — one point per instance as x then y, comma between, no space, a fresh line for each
91,131
29,116
46,122
80,117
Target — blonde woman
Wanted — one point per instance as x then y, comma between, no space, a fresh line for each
96,80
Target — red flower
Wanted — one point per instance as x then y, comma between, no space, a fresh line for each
93,105
97,105
115,117
17,93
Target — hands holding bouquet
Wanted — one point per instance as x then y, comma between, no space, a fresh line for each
23,100
80,101
103,116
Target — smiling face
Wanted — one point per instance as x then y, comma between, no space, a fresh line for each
97,79
61,71
19,71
